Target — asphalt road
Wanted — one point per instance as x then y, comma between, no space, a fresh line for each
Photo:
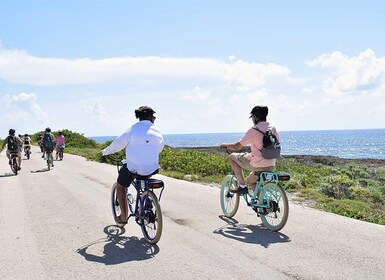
58,224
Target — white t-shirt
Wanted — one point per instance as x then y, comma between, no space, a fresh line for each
143,143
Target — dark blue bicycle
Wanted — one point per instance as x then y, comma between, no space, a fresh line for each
144,207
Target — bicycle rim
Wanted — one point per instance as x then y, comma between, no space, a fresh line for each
151,217
115,204
275,216
229,200
15,166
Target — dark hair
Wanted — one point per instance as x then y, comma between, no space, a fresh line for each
260,112
12,131
47,129
144,113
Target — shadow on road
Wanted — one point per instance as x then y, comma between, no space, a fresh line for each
254,234
117,249
7,175
40,170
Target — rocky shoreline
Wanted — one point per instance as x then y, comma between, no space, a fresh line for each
306,159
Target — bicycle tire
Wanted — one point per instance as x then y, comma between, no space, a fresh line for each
15,166
151,217
115,205
229,200
274,217
28,154
48,161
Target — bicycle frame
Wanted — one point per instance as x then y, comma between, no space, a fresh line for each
265,177
142,185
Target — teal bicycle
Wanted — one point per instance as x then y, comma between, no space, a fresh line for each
268,200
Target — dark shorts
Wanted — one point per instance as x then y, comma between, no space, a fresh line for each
126,177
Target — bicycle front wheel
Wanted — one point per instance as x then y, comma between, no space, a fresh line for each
229,200
116,211
275,215
151,217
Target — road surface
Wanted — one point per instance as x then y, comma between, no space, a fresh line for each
58,224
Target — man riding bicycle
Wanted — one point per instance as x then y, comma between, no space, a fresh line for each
143,143
252,161
14,145
48,142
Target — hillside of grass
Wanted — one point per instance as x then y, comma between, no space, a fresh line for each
352,188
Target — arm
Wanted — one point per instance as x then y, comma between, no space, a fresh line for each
232,146
118,144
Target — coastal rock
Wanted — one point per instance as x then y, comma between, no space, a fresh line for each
309,160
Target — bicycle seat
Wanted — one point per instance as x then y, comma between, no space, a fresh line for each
146,177
140,177
282,176
14,155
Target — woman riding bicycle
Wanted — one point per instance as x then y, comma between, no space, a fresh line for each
252,161
60,145
143,143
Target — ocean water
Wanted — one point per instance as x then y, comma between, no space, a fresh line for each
362,143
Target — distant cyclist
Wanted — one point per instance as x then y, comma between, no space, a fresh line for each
14,145
60,145
48,142
252,161
143,143
40,142
27,142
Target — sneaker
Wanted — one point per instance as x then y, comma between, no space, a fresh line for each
240,190
18,168
9,162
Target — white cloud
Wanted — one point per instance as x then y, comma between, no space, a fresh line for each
198,94
22,68
252,75
23,112
346,75
190,95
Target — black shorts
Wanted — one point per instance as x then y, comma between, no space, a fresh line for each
126,177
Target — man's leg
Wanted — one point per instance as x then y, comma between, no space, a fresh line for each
121,193
124,180
19,159
236,168
8,156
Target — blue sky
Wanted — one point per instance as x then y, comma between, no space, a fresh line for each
202,65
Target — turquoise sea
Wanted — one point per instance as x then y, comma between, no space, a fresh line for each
360,143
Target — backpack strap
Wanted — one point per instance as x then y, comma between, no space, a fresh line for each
257,129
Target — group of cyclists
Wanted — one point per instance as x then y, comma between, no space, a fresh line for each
143,143
47,142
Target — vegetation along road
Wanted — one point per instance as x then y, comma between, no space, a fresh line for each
58,224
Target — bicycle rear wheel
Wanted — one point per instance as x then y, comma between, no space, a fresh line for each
116,211
275,216
151,217
229,200
14,165
49,160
